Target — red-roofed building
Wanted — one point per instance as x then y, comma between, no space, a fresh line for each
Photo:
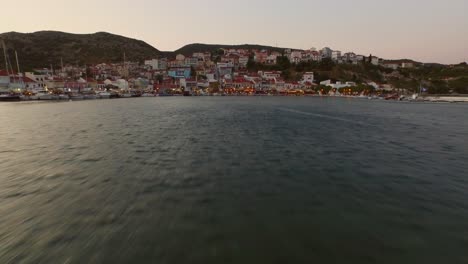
76,86
17,82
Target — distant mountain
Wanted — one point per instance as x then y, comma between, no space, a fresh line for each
40,49
198,47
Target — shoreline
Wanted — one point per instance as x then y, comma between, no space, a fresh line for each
422,99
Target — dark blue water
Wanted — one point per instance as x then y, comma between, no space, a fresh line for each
233,180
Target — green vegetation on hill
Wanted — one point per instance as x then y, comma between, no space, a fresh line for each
438,79
188,50
41,49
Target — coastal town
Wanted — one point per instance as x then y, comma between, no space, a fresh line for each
224,72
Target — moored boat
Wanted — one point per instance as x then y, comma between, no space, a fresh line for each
89,96
63,97
44,95
125,95
8,97
104,95
76,96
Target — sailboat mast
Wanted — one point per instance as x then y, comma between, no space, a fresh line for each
17,62
5,54
19,72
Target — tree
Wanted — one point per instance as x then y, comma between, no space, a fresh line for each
323,88
193,72
159,78
326,64
214,87
251,64
89,72
459,85
283,62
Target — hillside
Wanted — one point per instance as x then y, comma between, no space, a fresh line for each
198,47
40,49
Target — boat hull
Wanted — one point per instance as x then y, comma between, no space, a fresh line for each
10,98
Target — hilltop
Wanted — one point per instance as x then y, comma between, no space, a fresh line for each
40,49
188,50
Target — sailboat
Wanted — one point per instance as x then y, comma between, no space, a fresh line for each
8,95
25,95
125,93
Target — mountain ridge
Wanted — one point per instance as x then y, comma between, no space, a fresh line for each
48,47
43,48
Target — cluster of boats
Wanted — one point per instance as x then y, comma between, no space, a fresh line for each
46,95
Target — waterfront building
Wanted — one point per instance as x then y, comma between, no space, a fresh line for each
179,72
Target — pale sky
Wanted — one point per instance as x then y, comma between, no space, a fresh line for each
424,30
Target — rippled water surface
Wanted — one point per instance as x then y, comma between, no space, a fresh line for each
233,180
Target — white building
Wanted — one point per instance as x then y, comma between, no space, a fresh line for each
336,55
350,57
40,79
120,83
308,77
407,65
157,64
271,59
326,52
360,58
338,85
391,65
191,61
295,56
375,60
180,58
243,60
154,63
270,75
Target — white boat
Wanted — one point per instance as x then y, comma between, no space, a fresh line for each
147,95
9,97
44,95
125,95
104,95
63,97
89,96
76,97
28,97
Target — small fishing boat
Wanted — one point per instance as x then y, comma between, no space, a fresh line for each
75,96
9,97
45,95
104,95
